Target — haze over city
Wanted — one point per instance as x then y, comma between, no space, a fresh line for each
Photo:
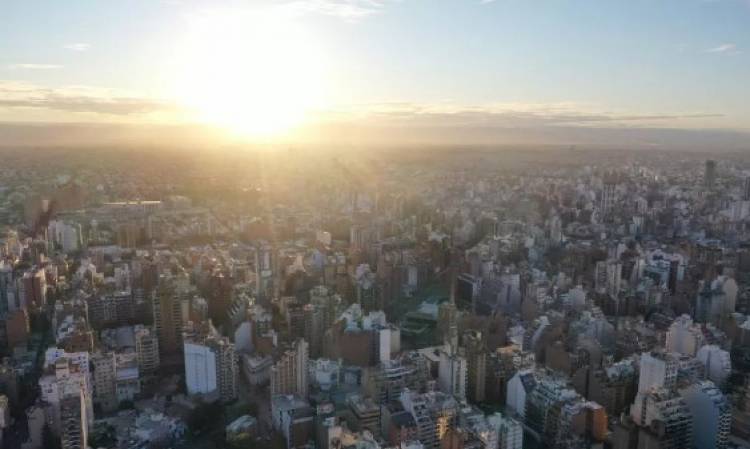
375,224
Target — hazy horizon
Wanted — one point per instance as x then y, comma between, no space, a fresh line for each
376,72
371,136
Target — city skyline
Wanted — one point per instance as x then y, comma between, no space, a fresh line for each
374,224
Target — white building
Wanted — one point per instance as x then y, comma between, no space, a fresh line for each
200,369
684,337
671,410
729,287
210,364
452,375
66,375
657,370
519,387
717,363
509,431
243,337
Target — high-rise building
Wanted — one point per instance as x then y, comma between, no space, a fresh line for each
289,373
6,283
716,300
607,200
509,431
167,317
16,327
476,360
683,337
391,377
712,415
466,290
4,416
741,411
330,302
435,414
664,418
211,364
104,376
447,322
613,387
73,422
519,388
614,278
66,375
452,374
34,288
147,349
66,236
315,326
544,403
709,175
717,363
219,296
656,370
366,413
112,309
127,377
10,380
367,290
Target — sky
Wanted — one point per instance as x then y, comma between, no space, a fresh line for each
273,68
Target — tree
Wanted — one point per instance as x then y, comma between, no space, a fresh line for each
103,436
205,417
49,440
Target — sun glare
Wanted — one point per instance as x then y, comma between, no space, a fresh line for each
256,74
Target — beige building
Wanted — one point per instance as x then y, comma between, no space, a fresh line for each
289,373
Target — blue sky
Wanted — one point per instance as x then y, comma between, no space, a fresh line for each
672,63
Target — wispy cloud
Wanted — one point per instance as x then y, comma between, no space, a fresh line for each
347,10
77,46
115,105
344,9
15,94
726,48
485,2
533,124
505,116
27,66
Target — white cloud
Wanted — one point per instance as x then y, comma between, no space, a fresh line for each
727,48
343,9
27,66
19,94
348,10
77,46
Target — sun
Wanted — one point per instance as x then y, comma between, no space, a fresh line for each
256,74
